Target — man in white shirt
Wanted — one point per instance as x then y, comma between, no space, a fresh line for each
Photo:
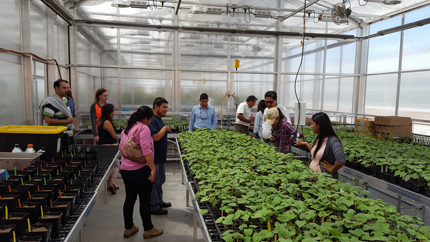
271,101
244,116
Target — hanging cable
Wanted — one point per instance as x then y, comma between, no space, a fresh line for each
249,14
366,1
301,62
38,57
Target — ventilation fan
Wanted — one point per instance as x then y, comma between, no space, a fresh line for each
340,14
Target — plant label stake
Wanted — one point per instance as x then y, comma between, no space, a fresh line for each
29,195
41,168
41,211
22,167
29,163
29,227
44,180
10,190
14,169
14,236
29,177
51,202
19,202
22,181
64,187
60,192
38,188
52,159
6,212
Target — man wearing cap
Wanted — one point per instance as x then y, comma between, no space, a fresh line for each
283,133
243,115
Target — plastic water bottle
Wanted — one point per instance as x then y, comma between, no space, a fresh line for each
41,150
30,149
16,149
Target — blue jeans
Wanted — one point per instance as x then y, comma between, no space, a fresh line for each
157,191
257,136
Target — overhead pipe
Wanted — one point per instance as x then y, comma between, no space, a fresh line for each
105,23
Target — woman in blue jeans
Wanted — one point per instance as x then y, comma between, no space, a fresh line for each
138,177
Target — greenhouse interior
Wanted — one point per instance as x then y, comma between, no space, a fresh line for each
282,120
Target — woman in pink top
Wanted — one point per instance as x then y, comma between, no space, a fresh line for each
138,177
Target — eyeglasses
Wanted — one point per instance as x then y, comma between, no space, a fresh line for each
201,116
269,102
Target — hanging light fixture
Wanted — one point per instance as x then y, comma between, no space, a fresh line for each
120,4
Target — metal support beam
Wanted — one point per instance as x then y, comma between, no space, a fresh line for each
361,58
60,10
27,78
108,23
399,75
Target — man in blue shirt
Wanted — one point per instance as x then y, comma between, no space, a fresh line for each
159,134
203,115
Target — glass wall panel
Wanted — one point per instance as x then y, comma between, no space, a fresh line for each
204,51
331,91
346,93
38,29
195,83
87,52
9,21
245,85
381,94
60,41
414,95
384,50
11,91
308,91
140,87
348,58
333,60
416,50
146,48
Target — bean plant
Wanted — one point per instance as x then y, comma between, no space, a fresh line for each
406,160
258,194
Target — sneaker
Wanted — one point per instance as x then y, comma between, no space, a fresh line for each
130,232
166,205
152,233
112,189
159,212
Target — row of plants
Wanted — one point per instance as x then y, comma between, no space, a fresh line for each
119,124
178,125
406,164
256,194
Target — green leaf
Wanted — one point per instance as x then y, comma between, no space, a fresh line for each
203,211
300,223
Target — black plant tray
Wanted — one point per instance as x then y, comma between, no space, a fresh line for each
388,177
413,187
7,236
45,234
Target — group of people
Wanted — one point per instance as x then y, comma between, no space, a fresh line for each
272,124
150,133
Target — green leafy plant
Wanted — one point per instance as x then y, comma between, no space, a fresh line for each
258,194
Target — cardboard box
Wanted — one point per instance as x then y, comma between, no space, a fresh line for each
392,120
394,129
365,134
391,135
364,129
364,122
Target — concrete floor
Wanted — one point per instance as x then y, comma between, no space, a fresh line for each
106,223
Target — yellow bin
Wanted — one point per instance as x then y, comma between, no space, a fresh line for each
50,138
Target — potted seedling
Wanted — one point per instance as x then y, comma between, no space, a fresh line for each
7,232
53,218
35,230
